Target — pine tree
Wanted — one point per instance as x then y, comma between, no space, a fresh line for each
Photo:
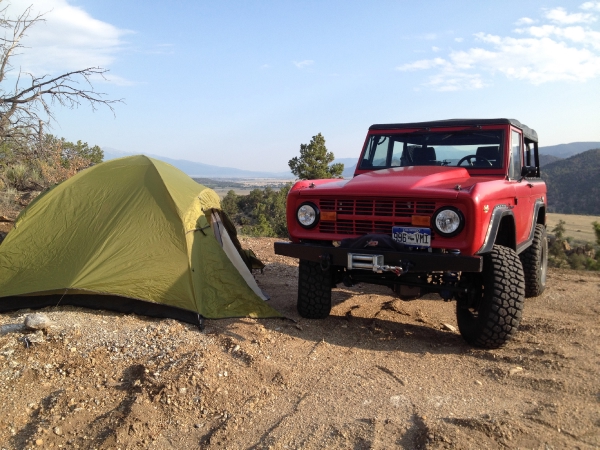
314,160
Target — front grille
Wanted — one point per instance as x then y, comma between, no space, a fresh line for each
365,216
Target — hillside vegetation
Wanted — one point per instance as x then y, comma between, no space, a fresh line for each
548,159
27,168
574,184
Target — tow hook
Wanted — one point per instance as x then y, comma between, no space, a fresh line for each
448,279
325,261
385,268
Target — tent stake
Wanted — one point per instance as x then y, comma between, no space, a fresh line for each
200,322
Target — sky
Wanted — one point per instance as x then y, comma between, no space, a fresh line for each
243,83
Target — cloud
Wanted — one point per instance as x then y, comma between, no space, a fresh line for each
457,82
525,21
576,34
429,36
112,79
551,52
593,6
560,16
459,39
68,39
303,64
422,64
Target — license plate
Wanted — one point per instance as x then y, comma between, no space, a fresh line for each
412,236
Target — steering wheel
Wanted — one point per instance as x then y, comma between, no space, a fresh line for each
469,159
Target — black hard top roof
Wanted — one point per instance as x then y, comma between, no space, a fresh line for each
527,132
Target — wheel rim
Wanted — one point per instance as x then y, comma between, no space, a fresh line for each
544,262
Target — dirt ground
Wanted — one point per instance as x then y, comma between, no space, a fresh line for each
378,373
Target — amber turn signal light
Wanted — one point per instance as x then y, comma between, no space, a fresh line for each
422,221
329,216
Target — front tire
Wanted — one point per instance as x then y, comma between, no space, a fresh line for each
489,317
535,263
314,290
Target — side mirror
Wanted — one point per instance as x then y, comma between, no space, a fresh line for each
529,171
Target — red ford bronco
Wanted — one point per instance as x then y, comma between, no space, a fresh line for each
456,207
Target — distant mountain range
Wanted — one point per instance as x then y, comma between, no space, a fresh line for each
196,169
548,155
566,150
574,184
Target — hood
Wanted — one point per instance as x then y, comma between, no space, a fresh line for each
422,180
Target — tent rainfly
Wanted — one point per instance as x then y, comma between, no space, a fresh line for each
134,235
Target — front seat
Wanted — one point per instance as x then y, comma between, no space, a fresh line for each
490,153
424,156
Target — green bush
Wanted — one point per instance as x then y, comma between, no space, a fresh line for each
572,259
559,230
7,198
33,165
596,226
260,213
17,176
577,262
229,204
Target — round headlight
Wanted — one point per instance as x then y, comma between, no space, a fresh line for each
448,221
308,215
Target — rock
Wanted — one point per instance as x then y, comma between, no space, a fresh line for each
39,442
37,337
37,321
449,327
515,370
58,431
478,383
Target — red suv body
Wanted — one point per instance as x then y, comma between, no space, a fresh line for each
455,207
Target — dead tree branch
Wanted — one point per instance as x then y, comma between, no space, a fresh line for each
26,107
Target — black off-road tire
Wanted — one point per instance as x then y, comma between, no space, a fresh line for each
492,319
314,290
535,263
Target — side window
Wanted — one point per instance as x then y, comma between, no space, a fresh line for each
376,154
516,152
527,154
397,154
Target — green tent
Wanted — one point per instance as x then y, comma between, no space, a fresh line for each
133,234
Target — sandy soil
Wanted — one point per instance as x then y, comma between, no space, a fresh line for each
378,373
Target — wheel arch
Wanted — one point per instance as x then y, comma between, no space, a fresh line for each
501,230
541,214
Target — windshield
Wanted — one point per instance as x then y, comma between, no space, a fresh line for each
480,149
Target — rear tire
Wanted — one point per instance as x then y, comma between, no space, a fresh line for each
491,318
314,290
535,263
